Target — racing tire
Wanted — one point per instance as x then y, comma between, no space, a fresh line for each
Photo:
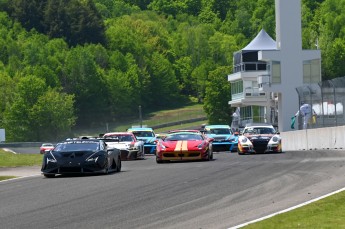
239,152
49,175
119,165
159,161
106,170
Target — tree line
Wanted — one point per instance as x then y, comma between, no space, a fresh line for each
66,63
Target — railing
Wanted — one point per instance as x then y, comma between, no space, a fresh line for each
250,66
253,91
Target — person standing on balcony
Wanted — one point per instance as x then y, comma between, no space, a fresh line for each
307,112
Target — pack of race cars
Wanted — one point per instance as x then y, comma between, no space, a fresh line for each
105,153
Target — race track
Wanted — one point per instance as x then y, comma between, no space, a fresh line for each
222,193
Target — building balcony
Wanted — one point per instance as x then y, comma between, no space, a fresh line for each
250,96
250,66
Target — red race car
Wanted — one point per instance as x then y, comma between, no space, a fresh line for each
46,147
184,145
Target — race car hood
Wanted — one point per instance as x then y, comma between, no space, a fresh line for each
119,145
220,137
147,139
181,145
258,136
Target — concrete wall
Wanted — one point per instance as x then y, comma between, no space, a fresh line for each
310,139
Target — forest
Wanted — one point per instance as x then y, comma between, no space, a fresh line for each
67,63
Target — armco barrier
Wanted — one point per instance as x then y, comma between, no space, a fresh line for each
20,144
311,139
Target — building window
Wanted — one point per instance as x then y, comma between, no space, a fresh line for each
311,71
275,72
237,87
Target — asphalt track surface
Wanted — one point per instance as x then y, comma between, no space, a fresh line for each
225,192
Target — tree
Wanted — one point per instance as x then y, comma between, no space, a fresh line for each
16,119
7,86
217,97
82,77
53,115
30,13
163,83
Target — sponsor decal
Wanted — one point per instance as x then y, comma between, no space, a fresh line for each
181,146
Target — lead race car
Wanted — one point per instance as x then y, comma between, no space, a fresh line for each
184,145
81,156
259,138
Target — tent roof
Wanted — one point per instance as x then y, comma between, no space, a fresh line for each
262,41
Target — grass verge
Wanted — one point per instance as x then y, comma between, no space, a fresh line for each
6,177
325,213
8,159
149,120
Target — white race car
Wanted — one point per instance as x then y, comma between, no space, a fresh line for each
259,138
131,148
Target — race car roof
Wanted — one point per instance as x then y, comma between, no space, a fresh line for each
259,124
140,129
216,126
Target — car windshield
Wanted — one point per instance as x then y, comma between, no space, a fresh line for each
183,137
219,131
260,130
144,134
47,145
77,146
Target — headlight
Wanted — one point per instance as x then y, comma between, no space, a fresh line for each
93,157
200,146
162,147
51,158
275,139
244,140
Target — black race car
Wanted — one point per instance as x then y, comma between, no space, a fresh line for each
81,156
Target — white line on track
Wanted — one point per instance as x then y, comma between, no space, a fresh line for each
288,209
9,150
17,178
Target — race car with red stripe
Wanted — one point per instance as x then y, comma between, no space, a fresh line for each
184,146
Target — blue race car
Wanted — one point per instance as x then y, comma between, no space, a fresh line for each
224,138
147,135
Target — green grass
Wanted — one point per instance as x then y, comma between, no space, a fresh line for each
166,116
323,214
182,126
6,177
149,120
8,159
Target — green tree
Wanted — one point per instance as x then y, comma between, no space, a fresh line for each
53,115
217,97
30,13
163,83
16,119
331,35
7,86
82,77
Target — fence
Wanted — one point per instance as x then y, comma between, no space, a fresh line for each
327,99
